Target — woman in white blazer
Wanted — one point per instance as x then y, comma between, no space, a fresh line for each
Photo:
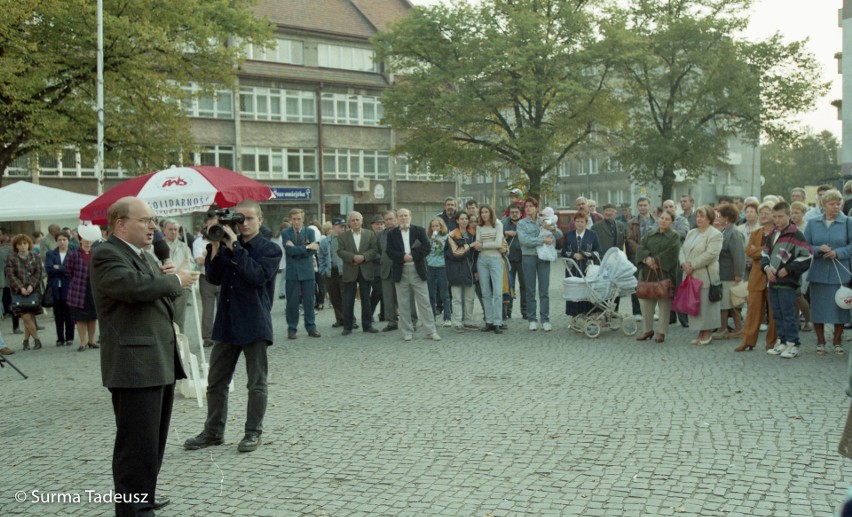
699,257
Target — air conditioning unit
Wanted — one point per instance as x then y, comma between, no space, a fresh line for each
361,185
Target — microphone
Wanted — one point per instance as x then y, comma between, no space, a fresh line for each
162,251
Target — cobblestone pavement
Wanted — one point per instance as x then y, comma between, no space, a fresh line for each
525,423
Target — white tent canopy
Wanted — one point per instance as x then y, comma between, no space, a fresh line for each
24,201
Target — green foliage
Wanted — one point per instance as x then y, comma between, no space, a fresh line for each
48,56
692,84
812,160
514,83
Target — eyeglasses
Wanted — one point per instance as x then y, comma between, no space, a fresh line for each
144,220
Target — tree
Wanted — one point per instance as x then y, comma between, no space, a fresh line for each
48,53
810,161
692,84
519,83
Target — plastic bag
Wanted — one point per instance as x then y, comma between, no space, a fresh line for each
688,297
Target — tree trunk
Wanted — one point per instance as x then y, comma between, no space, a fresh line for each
534,186
667,182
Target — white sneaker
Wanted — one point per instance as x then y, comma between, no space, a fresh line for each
448,323
838,349
434,336
778,349
791,351
407,337
637,317
764,327
533,325
820,349
546,326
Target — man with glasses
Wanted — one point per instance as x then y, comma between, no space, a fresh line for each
139,357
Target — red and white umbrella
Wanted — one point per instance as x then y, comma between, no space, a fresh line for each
180,190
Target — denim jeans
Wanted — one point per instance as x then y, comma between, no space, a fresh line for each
436,277
490,271
783,304
537,270
223,362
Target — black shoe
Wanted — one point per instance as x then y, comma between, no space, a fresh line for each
60,343
208,343
504,327
355,326
201,441
314,333
291,335
249,443
161,502
371,330
17,331
346,332
488,327
497,329
39,327
337,325
390,327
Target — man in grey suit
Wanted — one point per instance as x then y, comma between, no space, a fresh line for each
388,287
358,247
139,357
611,232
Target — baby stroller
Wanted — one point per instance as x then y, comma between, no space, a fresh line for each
601,285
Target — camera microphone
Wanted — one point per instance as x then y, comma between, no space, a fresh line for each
162,251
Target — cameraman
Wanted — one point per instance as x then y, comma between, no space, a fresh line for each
245,270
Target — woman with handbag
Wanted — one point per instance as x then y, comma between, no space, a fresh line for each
830,236
731,270
699,257
57,283
758,296
581,245
80,300
657,258
24,273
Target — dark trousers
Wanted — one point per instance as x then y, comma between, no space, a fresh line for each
62,320
142,418
300,290
516,275
209,293
363,286
320,294
223,362
389,301
334,286
376,294
7,308
783,304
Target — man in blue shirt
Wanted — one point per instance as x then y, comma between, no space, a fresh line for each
245,270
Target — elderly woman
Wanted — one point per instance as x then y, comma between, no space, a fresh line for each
758,296
58,281
731,269
580,244
699,257
81,303
536,270
830,236
24,274
752,221
657,259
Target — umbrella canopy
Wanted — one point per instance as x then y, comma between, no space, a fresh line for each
180,190
24,201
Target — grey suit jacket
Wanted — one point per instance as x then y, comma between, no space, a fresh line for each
606,239
386,262
346,250
135,312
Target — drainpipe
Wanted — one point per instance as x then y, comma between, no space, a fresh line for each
320,161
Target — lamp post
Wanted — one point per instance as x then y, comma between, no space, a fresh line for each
99,160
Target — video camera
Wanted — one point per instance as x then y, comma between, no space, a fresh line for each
216,232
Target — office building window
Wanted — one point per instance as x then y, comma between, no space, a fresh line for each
359,110
346,164
275,104
282,50
347,58
216,155
278,163
218,105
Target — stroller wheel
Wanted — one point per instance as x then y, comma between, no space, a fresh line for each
593,329
615,321
629,326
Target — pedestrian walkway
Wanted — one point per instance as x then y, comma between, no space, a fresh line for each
524,423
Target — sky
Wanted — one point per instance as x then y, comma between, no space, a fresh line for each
815,20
